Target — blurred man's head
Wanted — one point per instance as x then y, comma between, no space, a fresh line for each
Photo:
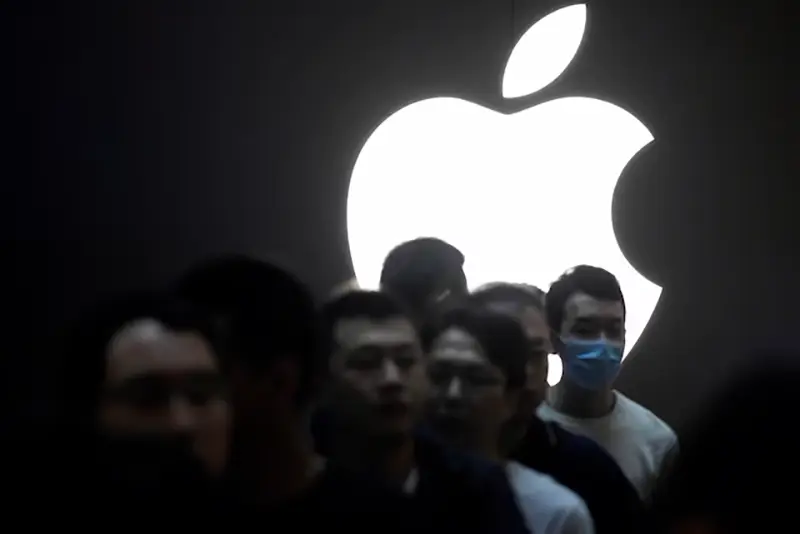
378,382
426,275
525,304
586,312
268,327
732,453
143,369
477,367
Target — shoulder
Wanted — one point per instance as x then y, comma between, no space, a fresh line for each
547,505
586,468
583,452
530,484
547,413
652,429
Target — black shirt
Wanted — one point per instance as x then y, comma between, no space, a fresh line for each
584,467
456,492
461,493
338,500
82,478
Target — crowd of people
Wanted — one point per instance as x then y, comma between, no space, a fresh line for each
232,398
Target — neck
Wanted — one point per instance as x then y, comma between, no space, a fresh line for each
271,469
392,461
513,434
575,401
486,447
483,443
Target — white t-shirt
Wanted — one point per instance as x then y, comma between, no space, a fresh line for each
640,442
547,506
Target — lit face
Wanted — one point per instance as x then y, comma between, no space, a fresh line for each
160,382
535,326
470,402
379,382
590,319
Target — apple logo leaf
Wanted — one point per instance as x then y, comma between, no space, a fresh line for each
544,52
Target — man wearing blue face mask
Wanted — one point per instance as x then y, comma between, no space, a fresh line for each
586,314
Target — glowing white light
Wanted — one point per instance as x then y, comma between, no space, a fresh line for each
524,196
535,62
554,369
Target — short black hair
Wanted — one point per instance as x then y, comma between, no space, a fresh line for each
267,313
594,281
413,270
358,304
519,294
88,341
501,337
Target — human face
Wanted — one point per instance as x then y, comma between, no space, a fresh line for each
589,319
379,381
592,342
535,326
160,382
470,403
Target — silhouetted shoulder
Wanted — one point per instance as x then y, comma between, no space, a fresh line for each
583,466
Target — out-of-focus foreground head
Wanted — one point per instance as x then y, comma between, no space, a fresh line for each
739,462
268,327
142,365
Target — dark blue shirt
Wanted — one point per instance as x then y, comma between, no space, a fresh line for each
456,492
461,493
584,467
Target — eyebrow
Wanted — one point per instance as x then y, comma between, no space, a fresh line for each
382,345
596,318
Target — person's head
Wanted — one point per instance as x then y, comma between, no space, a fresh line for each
525,304
586,315
476,366
426,275
141,367
378,382
723,481
268,326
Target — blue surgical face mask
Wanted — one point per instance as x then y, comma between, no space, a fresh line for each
592,365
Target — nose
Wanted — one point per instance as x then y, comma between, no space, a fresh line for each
454,389
181,415
390,373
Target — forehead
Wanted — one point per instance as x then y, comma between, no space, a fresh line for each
146,347
457,346
359,331
583,306
531,318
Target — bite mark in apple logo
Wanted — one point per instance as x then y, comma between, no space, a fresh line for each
525,196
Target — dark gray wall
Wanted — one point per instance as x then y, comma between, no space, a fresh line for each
145,135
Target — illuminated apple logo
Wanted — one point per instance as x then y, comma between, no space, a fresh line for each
525,196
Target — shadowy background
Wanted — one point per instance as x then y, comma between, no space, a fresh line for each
142,135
